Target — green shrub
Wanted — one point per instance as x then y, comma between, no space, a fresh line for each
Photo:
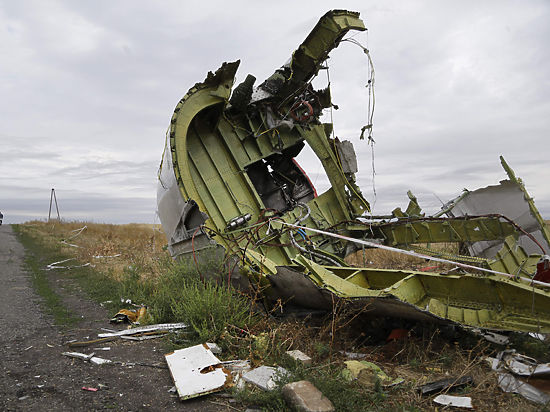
208,308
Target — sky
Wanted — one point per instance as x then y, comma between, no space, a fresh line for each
88,90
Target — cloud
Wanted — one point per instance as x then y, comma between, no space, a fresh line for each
89,89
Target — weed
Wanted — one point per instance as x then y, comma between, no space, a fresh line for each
209,308
39,279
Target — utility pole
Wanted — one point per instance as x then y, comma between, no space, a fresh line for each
53,198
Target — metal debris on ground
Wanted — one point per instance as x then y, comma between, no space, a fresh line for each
89,389
445,384
299,356
517,373
353,355
265,377
455,401
144,329
56,265
132,316
88,358
368,373
214,348
196,371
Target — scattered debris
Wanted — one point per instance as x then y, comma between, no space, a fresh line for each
88,358
86,388
26,349
104,257
143,329
265,377
445,384
492,337
134,316
145,336
299,356
353,355
517,373
214,348
367,373
103,348
196,371
304,396
55,265
456,401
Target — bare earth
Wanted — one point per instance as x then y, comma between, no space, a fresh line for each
34,376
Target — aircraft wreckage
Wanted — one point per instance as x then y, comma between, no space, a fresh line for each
230,188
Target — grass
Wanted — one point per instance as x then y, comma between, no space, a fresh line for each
35,259
144,273
172,291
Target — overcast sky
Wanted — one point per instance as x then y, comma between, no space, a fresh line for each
88,89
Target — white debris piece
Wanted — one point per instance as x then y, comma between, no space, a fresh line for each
214,348
265,376
299,356
99,361
510,361
142,329
196,371
456,401
88,358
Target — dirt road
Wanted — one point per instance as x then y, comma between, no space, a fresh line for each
34,376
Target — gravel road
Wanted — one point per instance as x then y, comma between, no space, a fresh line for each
34,376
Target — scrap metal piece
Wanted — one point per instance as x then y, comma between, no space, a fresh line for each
143,329
444,384
196,371
509,199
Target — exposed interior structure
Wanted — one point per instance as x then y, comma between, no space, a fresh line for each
230,188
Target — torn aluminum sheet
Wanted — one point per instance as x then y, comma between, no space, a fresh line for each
143,329
196,371
523,365
509,383
230,185
517,373
509,199
456,401
265,377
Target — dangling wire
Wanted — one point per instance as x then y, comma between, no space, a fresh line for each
370,112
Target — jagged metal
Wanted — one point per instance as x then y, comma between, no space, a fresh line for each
229,185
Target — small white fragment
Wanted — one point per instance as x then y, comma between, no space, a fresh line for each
299,356
99,361
456,401
214,348
264,377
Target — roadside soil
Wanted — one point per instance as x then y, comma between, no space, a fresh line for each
34,376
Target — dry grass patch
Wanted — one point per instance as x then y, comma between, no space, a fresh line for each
109,248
